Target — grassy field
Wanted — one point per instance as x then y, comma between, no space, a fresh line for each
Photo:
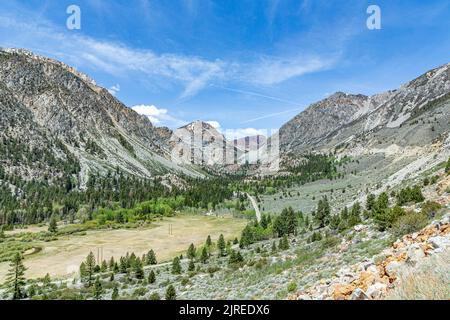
62,257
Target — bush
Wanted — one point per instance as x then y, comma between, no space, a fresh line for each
409,223
431,208
292,287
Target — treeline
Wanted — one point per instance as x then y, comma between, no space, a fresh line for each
312,168
115,197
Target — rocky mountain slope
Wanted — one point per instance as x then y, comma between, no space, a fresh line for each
343,118
45,103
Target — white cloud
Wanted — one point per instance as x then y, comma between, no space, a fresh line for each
232,134
215,124
158,116
114,89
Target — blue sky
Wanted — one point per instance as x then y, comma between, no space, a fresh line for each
248,65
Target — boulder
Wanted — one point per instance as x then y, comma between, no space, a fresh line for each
360,227
414,254
343,291
393,268
359,294
439,242
376,291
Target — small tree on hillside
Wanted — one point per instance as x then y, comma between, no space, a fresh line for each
115,293
151,277
191,251
90,267
15,280
53,226
370,201
138,269
98,289
151,257
171,294
204,256
191,266
322,214
221,245
176,266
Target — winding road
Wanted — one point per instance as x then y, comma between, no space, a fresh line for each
255,206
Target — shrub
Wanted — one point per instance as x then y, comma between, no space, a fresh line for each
139,292
292,287
409,223
431,208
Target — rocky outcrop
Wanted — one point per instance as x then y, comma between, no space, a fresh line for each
343,118
374,278
71,109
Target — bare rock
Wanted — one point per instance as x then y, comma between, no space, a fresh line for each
359,294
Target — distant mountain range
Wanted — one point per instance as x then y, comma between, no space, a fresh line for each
52,110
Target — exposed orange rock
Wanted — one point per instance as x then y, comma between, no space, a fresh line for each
343,291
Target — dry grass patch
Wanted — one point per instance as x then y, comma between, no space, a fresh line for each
429,281
63,256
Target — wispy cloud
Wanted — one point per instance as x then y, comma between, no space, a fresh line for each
114,89
274,70
191,72
271,115
159,116
194,73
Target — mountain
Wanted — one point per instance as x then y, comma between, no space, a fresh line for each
49,106
346,118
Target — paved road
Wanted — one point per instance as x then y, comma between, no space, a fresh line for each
255,206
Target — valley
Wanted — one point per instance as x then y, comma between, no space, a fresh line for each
90,192
61,257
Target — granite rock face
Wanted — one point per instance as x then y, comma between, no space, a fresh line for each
41,97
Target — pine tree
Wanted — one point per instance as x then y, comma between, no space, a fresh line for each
370,201
98,289
284,243
176,266
32,291
191,251
15,281
123,265
104,266
264,222
221,245
291,220
90,267
322,214
191,266
447,167
151,258
53,226
151,277
171,294
111,277
115,293
204,256
138,269
274,247
111,264
82,271
208,242
47,281
236,241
